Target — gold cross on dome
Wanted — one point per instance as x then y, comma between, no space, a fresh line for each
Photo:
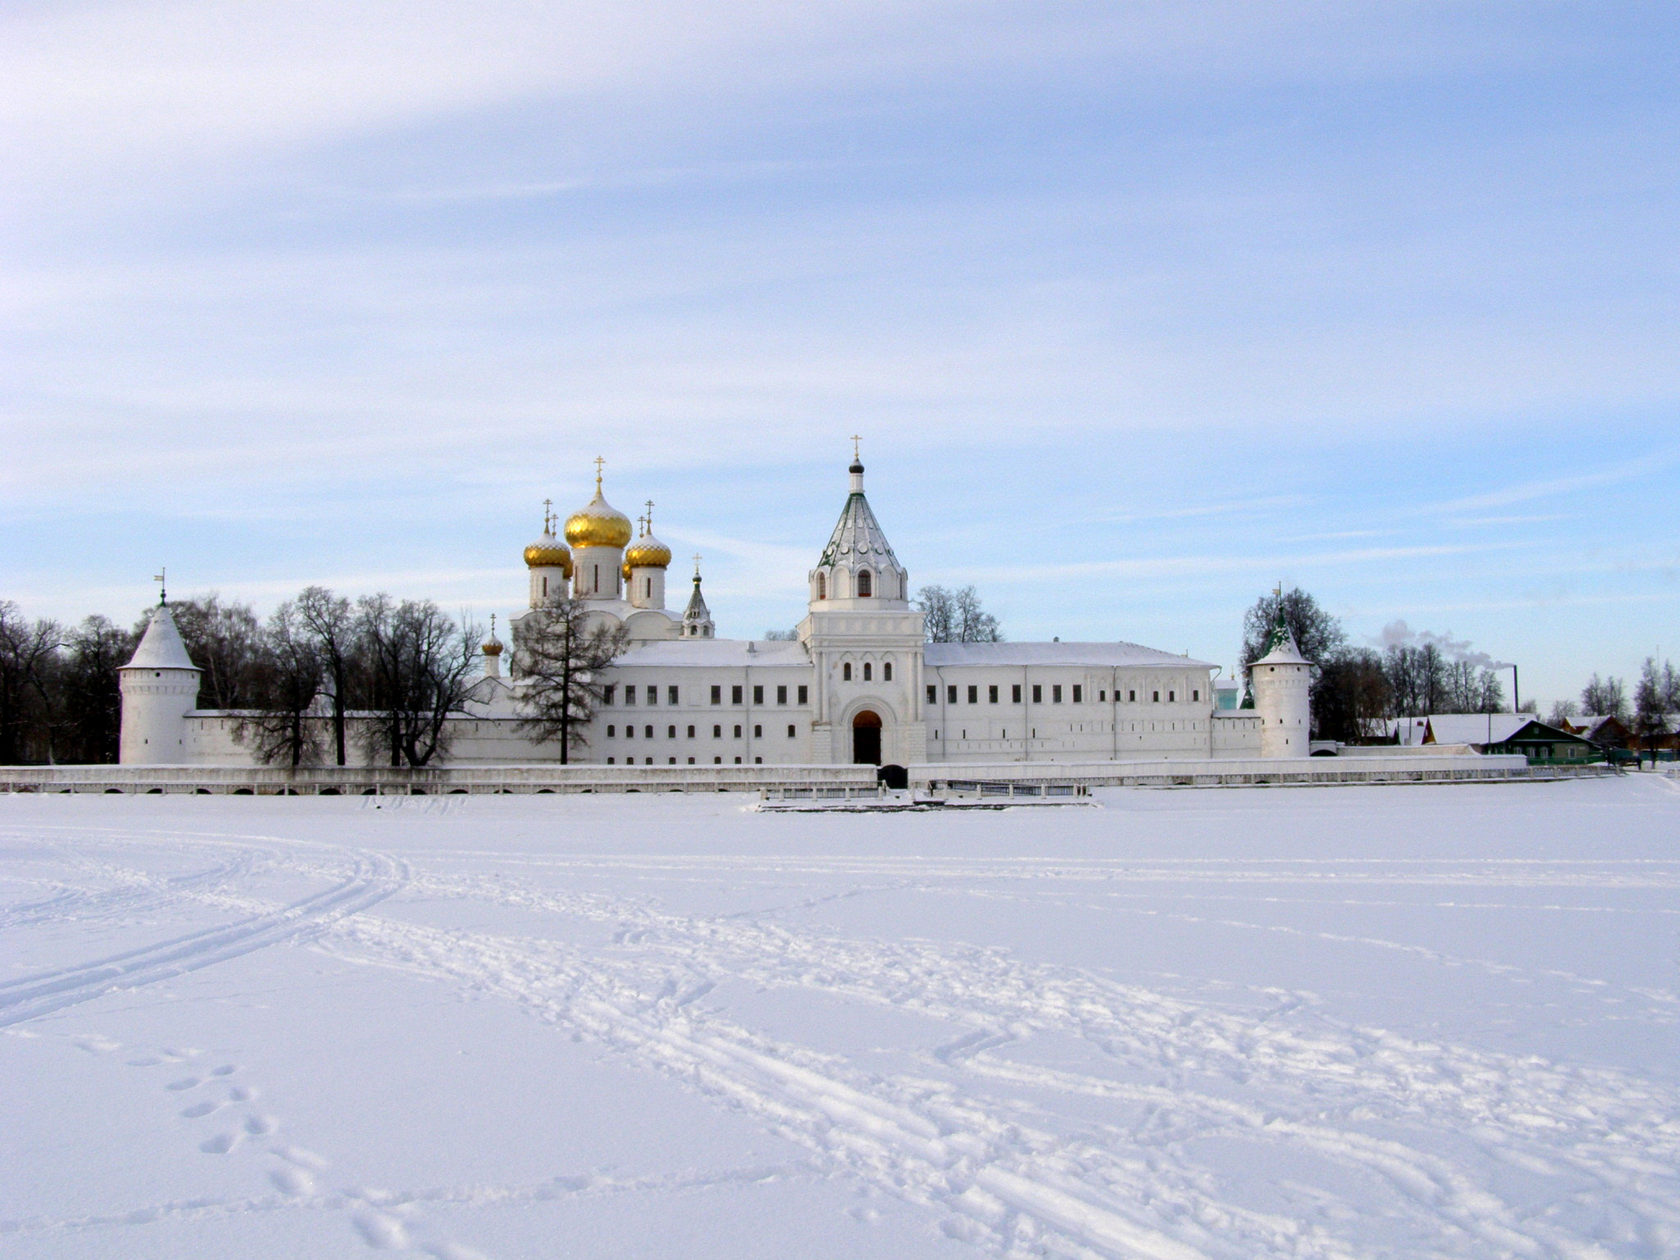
548,516
856,438
650,515
599,463
696,566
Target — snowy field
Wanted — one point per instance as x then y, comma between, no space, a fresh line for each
1409,1021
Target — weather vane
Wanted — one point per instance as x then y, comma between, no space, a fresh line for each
163,594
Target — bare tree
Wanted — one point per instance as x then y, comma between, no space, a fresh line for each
28,652
419,669
225,641
89,696
1564,711
1353,696
329,621
1317,633
955,616
560,659
289,675
1606,697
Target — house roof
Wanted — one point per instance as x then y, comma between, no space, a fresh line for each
1104,655
715,653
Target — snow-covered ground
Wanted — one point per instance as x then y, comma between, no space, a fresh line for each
1332,1022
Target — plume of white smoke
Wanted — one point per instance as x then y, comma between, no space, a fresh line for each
1399,633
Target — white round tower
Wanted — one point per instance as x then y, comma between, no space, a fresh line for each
159,688
1282,681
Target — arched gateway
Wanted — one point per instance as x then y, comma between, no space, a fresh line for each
866,738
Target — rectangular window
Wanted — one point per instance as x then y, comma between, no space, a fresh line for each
933,693
691,732
611,731
737,761
1015,693
1155,697
1038,694
1102,696
647,733
758,695
804,694
737,732
1171,696
790,730
735,694
629,693
653,693
717,695
1196,693
717,732
781,695
758,731
1078,693
1055,693
973,694
670,695
758,761
629,732
951,693
1131,697
717,761
607,693
991,694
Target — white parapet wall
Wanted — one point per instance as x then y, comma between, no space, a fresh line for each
428,781
1234,772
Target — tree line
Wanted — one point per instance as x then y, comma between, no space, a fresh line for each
321,677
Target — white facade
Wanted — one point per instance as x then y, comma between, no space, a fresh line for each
858,683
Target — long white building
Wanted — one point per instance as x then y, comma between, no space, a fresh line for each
857,684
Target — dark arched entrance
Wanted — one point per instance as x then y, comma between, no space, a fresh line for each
866,739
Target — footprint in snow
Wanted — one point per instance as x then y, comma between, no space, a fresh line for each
295,1182
199,1110
221,1144
260,1126
227,1069
240,1094
186,1082
381,1232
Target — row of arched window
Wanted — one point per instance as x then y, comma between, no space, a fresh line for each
863,581
868,671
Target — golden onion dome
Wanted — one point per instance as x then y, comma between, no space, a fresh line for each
492,646
599,524
647,552
548,552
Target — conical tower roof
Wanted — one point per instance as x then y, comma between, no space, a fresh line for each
161,646
1281,648
857,534
697,610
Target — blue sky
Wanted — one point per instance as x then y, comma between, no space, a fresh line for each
1140,308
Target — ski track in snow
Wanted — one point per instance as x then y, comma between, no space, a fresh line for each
977,1133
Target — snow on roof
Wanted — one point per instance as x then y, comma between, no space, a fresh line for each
1476,728
1100,654
161,646
714,653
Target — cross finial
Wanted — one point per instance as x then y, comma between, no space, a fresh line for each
599,463
649,517
856,438
492,625
548,516
696,566
163,593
